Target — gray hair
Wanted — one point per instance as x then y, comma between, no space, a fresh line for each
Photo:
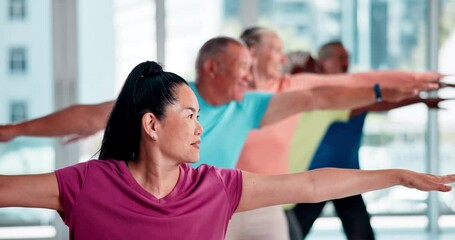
253,36
212,48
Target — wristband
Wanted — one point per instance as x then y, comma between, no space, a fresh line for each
377,93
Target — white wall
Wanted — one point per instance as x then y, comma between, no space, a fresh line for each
96,42
35,34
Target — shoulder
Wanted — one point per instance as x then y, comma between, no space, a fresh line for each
205,170
93,165
105,164
224,174
254,95
255,98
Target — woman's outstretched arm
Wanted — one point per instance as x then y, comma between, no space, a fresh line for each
39,191
330,183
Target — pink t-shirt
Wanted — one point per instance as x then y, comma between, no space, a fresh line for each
277,148
102,200
266,150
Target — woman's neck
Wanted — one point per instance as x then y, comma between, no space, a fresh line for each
156,177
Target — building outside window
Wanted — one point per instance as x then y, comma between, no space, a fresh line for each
17,60
18,111
17,9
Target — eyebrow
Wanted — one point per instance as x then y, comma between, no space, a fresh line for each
192,109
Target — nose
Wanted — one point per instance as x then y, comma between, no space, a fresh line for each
248,76
199,129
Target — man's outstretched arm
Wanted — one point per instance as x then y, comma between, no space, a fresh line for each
80,120
365,79
432,103
283,105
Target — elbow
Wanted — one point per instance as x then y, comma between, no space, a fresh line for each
313,196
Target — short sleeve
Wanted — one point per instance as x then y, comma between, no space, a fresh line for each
70,182
232,182
256,104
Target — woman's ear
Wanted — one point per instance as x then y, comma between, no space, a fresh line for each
149,124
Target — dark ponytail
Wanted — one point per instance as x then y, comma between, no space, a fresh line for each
147,89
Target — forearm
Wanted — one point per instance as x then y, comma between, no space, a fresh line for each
311,80
322,98
59,124
400,78
385,78
386,106
331,183
336,98
79,119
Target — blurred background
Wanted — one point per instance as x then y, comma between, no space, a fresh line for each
56,53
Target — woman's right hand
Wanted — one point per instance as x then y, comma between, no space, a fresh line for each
426,182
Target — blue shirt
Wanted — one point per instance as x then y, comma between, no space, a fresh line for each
226,127
340,146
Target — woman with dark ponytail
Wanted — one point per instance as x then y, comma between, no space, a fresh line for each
140,95
143,186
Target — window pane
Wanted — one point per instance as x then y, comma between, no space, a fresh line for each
187,31
17,60
231,25
18,111
19,100
17,9
303,24
446,117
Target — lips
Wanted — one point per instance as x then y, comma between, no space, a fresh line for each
196,144
243,85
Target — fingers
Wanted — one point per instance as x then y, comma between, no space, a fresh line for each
419,86
439,183
443,188
448,75
427,86
429,77
447,178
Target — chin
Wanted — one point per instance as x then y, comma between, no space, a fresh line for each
239,97
273,73
194,159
